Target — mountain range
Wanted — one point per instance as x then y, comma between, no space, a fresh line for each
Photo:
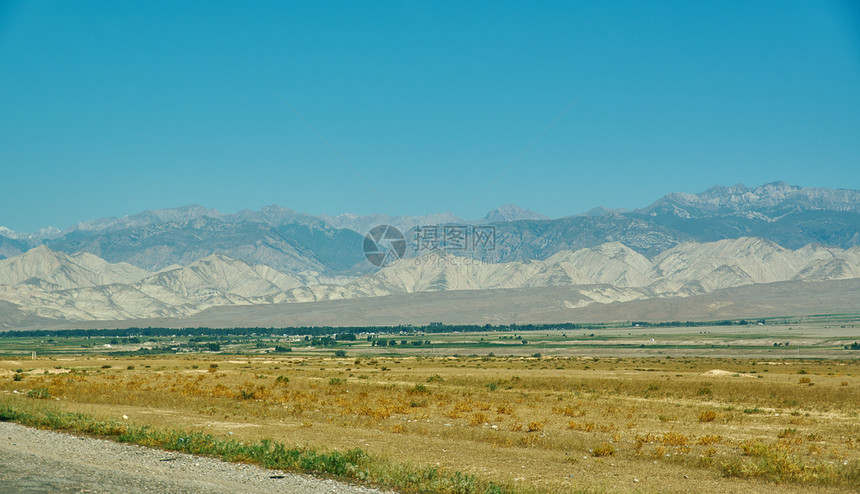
178,262
296,242
55,285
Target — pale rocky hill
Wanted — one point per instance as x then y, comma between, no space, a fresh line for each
829,263
744,261
727,263
613,272
54,285
609,273
612,263
44,267
42,282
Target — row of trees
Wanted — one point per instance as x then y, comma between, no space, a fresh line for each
393,342
692,324
342,333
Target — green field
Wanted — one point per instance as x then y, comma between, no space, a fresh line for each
813,337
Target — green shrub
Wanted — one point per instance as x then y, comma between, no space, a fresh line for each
39,393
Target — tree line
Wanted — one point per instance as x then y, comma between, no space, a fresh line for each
319,331
311,331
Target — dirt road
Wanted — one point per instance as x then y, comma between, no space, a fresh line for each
37,461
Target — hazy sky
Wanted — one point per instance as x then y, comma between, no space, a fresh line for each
110,108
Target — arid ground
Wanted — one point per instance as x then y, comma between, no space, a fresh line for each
544,420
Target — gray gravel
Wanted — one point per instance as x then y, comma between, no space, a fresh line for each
37,461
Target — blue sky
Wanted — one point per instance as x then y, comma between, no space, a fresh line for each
110,108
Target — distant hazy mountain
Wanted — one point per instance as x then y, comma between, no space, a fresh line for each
766,203
363,224
787,215
287,242
10,246
13,243
44,233
302,244
174,215
602,211
511,212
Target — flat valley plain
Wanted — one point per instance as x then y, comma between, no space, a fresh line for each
722,408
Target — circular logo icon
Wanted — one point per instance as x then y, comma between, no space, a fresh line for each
384,245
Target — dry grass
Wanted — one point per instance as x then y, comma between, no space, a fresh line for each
545,424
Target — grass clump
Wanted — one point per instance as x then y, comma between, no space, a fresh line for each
709,440
604,449
535,426
776,462
418,389
674,439
478,419
39,393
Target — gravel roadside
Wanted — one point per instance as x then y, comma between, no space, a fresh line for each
39,461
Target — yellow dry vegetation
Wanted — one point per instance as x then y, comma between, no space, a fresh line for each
536,424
